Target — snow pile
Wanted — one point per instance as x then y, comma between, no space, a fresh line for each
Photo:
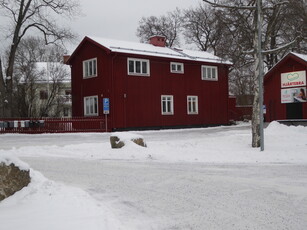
283,144
8,159
47,205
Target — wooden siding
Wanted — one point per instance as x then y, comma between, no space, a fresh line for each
135,101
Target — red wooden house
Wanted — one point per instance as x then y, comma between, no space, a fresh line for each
148,85
285,87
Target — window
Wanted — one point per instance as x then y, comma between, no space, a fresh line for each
90,68
91,106
177,67
43,95
192,104
167,104
66,112
209,73
138,67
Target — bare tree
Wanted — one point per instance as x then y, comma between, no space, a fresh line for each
168,25
255,12
29,15
57,74
39,78
203,26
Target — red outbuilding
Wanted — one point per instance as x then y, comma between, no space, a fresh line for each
140,86
285,89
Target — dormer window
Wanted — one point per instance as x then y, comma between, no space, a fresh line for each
177,67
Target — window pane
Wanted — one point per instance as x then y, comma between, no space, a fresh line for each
164,106
90,68
94,67
179,68
95,105
91,105
168,106
144,67
86,69
87,106
204,72
173,67
137,66
208,72
131,66
213,73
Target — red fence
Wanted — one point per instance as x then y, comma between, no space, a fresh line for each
52,125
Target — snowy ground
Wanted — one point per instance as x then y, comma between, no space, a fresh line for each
186,179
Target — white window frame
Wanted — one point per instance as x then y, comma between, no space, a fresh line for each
91,106
141,61
169,107
209,73
90,68
176,64
190,101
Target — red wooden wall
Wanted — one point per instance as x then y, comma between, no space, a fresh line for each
275,110
135,101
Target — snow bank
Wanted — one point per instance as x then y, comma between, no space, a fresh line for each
283,144
9,158
47,205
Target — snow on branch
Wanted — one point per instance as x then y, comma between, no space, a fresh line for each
242,7
277,4
280,48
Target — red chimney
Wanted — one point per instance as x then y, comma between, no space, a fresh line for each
157,40
65,58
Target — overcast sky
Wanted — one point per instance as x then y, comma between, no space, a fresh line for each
112,19
119,19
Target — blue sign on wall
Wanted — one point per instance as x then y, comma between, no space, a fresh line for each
106,105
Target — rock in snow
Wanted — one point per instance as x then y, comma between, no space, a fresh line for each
12,179
118,139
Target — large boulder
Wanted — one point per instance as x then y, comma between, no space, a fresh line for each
118,139
12,179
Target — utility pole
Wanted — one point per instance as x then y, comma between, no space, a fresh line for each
259,51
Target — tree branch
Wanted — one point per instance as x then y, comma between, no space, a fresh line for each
214,4
280,48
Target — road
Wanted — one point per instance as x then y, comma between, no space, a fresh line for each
182,196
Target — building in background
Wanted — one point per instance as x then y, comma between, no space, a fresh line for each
45,91
285,89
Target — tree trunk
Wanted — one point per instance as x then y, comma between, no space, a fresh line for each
256,132
256,108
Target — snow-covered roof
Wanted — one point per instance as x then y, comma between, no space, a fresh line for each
151,50
301,56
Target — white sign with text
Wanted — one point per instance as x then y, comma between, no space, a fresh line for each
293,79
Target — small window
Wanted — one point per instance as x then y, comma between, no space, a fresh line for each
43,95
66,112
90,68
138,67
91,106
192,104
177,67
209,73
167,104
